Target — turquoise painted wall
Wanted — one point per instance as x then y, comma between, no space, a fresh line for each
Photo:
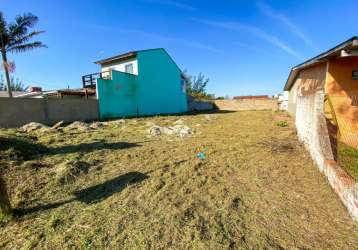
160,84
117,97
156,90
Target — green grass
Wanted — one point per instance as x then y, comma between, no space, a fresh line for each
116,187
4,218
348,159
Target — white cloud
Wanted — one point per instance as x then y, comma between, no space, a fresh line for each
293,28
236,26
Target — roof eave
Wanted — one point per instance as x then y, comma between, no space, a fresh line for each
321,58
121,57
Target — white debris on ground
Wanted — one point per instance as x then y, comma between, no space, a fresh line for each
78,125
33,126
155,130
179,122
179,130
57,125
96,125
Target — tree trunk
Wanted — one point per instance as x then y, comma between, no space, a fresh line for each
5,207
6,69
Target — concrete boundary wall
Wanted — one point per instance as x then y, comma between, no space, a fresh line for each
15,112
313,132
247,104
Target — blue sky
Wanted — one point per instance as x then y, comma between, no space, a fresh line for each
244,47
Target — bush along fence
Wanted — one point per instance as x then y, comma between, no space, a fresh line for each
314,132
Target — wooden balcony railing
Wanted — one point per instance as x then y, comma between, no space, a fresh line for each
90,81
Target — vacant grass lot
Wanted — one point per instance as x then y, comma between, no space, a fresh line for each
115,187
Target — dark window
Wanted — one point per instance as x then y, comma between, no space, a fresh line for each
129,68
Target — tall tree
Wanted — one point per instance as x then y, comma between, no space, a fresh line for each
196,85
15,37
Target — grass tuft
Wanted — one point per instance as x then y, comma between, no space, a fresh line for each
348,159
282,124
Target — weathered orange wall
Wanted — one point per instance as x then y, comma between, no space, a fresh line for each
307,82
343,92
312,79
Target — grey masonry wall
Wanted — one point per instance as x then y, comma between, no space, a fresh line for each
15,112
313,132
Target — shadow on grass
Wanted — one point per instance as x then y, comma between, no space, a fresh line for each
214,111
20,148
92,146
92,194
26,149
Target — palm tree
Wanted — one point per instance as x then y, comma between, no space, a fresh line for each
15,38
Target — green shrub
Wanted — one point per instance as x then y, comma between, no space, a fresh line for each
282,124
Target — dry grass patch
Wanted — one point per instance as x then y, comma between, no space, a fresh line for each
257,187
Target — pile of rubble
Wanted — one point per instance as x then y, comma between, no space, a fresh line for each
178,129
77,125
34,126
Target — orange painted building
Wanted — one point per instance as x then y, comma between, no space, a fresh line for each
336,73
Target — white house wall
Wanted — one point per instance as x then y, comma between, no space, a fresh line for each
292,98
120,66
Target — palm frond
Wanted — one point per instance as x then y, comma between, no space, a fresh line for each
21,40
3,23
22,24
3,30
27,19
26,47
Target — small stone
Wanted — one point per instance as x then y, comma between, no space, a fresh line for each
155,131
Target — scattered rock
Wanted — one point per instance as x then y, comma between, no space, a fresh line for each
155,131
177,130
32,126
182,130
78,125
